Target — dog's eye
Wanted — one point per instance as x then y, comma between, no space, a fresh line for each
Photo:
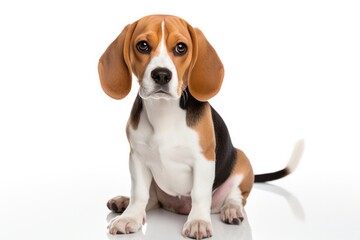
180,49
143,47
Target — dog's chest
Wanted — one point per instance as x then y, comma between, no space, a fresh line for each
166,145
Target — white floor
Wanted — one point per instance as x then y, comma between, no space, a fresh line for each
291,71
74,208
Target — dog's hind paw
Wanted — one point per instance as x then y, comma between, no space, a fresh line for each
118,204
232,213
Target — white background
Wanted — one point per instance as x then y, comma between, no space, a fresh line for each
292,71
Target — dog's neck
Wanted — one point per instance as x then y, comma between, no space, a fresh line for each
167,113
164,114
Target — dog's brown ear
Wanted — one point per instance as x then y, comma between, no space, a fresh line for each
206,71
114,66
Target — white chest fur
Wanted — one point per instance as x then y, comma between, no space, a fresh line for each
166,145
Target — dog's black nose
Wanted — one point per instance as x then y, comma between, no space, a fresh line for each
161,75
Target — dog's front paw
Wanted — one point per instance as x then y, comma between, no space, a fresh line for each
124,225
197,229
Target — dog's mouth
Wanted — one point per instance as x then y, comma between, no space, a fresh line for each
159,93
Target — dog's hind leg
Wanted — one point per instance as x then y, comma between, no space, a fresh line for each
230,198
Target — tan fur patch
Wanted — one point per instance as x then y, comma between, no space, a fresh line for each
244,168
205,128
149,29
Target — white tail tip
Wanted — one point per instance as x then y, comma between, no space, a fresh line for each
296,155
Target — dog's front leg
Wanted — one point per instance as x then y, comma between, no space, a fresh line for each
134,215
198,224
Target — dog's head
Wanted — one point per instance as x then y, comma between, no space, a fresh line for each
167,55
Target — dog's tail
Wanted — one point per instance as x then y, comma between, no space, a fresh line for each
291,166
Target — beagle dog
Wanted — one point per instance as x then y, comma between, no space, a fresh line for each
181,155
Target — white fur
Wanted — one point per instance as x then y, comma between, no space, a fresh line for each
296,155
171,151
134,215
169,148
148,86
223,191
233,207
165,149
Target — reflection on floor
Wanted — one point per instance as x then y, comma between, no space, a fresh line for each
161,223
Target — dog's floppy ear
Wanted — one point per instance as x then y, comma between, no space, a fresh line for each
206,70
114,66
